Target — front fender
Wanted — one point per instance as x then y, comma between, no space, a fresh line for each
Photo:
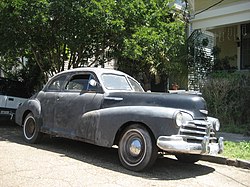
32,105
160,120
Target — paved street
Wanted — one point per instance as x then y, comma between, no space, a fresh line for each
61,162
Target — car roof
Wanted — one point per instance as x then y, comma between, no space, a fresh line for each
97,71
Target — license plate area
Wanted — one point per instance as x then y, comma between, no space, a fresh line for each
5,112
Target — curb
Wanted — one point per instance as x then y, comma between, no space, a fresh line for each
226,161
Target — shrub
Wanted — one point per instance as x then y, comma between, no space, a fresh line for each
228,98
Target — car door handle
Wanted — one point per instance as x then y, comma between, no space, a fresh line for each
11,99
58,98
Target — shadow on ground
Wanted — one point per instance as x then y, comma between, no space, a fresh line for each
164,168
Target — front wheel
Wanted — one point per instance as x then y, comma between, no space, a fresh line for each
188,158
31,129
137,150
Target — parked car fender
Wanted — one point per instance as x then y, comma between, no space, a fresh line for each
110,121
33,106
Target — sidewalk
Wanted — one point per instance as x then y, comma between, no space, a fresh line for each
228,161
233,137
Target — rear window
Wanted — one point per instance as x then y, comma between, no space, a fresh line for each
12,88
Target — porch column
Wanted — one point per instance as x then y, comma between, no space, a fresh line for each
238,46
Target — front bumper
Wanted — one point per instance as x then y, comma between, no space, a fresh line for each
176,144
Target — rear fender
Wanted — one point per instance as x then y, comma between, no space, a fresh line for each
28,106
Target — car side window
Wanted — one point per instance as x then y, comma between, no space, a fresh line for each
78,83
137,87
13,88
57,83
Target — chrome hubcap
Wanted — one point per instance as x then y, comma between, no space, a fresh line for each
135,148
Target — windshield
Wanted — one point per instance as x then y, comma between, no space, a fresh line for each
119,82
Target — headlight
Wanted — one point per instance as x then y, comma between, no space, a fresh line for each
182,118
217,125
215,122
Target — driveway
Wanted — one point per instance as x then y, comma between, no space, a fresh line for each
61,162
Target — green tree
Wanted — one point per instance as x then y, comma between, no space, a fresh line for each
56,33
154,33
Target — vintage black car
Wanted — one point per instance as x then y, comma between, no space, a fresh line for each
110,108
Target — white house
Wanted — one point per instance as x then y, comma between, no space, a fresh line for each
228,22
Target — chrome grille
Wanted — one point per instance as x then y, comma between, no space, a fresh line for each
194,131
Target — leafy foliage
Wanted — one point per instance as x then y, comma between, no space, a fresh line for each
59,34
199,61
227,96
151,49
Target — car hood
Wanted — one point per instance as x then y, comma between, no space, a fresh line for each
193,103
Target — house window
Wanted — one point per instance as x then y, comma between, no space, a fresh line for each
245,46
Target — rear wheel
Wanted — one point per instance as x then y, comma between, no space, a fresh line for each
31,129
137,150
188,158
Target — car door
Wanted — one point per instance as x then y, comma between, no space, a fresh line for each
16,94
3,103
48,98
12,94
72,102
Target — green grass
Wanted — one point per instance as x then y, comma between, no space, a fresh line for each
239,150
